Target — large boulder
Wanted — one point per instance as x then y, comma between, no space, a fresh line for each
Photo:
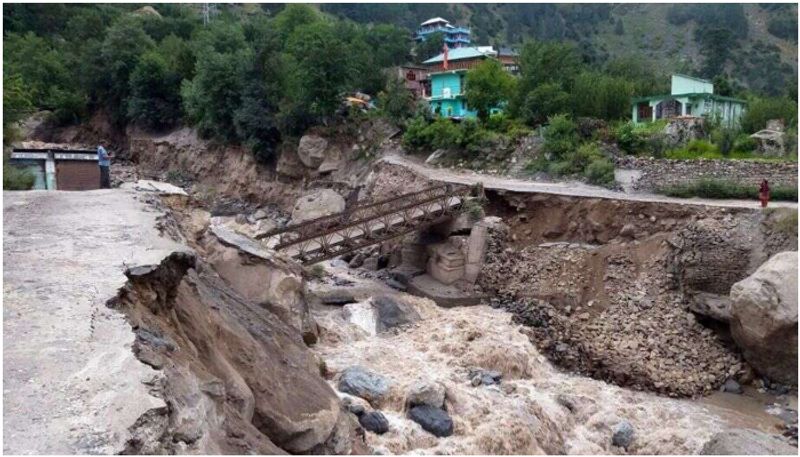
319,203
363,383
746,442
375,422
426,392
311,150
260,276
393,313
435,421
764,317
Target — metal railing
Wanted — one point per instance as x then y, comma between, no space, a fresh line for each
331,236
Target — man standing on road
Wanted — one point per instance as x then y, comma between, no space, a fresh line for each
104,161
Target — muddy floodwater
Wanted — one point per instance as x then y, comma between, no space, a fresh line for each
535,409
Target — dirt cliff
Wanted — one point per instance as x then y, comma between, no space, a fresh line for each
236,379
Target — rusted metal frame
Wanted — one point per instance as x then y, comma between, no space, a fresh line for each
394,211
337,217
337,249
392,234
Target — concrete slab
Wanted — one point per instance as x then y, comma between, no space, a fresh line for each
447,296
71,384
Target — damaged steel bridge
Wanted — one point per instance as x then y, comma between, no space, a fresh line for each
365,225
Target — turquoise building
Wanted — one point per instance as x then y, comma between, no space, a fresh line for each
454,36
448,80
688,96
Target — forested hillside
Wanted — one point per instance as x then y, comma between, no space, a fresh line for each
257,75
754,45
247,76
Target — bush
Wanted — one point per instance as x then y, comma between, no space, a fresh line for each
696,149
17,179
396,101
760,110
725,189
723,138
627,138
442,133
586,160
743,143
600,171
560,137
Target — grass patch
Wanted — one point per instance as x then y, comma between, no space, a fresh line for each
17,179
686,154
787,224
723,189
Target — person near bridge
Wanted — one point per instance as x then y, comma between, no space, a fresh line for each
104,162
763,193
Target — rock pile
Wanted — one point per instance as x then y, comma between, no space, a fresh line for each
603,312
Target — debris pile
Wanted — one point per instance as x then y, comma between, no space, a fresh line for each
604,312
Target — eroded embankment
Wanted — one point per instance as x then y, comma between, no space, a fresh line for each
615,290
236,379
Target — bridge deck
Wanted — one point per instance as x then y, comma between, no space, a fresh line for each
332,236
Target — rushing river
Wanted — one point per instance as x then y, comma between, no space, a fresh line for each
536,409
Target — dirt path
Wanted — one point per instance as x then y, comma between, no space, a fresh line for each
574,189
71,383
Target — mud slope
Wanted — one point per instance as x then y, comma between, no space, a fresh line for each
236,378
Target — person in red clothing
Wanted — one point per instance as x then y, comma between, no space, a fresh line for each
763,193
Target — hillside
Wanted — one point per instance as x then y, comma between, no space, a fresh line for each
755,45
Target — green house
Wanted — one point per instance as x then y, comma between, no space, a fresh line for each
447,76
689,97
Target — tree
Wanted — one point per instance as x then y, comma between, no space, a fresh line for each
722,86
760,110
487,87
322,68
431,47
601,96
542,62
125,42
544,101
396,100
293,16
155,101
16,102
388,44
39,64
213,96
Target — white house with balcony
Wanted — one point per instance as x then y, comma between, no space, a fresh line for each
689,96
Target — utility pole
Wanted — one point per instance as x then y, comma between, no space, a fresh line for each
208,10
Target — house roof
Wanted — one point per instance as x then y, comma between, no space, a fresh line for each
458,54
435,20
692,77
690,95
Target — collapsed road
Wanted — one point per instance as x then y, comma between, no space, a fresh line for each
71,381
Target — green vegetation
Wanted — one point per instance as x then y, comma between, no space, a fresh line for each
725,189
760,110
488,86
259,76
247,77
15,178
788,223
566,156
